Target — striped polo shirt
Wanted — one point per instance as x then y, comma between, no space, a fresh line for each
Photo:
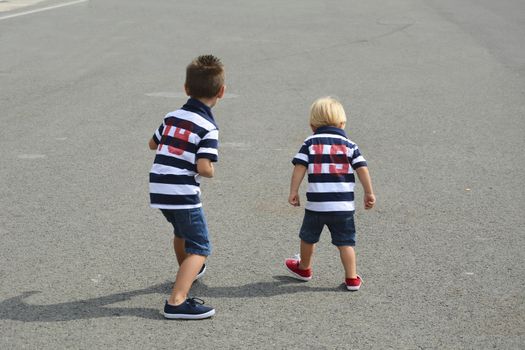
331,159
184,136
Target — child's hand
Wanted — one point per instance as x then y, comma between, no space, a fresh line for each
293,199
370,200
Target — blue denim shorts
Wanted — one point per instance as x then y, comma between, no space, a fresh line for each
190,225
341,228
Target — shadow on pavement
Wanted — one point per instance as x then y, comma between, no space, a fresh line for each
282,285
17,309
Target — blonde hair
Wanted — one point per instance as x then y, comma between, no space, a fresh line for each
326,111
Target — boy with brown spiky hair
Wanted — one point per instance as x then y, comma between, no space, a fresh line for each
186,145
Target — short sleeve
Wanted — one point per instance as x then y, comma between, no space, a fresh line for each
208,147
357,160
302,156
157,136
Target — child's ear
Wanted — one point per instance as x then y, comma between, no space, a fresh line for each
221,92
186,90
342,125
313,128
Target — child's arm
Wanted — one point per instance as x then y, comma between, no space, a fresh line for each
366,182
205,167
297,177
152,144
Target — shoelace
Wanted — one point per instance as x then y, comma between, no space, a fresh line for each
297,256
195,301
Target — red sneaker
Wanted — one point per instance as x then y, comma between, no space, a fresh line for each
353,284
292,265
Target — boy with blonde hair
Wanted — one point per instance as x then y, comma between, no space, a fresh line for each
330,159
186,145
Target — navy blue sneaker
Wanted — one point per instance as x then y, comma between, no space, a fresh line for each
191,309
201,272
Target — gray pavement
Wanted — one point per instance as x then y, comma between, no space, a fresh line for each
435,96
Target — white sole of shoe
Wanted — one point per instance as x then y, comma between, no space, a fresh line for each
297,276
355,288
200,274
189,316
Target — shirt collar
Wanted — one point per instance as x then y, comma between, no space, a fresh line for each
196,106
330,130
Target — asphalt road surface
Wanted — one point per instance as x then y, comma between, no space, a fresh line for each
435,96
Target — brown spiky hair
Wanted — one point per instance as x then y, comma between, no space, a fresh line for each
204,77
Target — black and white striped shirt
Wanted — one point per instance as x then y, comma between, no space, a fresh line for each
184,136
331,159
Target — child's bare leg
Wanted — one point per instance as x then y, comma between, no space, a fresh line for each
348,259
307,251
188,270
178,246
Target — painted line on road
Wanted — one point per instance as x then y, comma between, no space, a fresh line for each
42,9
31,156
10,5
236,145
169,94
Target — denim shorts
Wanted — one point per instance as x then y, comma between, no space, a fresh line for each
190,225
341,228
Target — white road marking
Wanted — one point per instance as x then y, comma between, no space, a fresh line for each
169,94
42,9
31,156
9,5
238,145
